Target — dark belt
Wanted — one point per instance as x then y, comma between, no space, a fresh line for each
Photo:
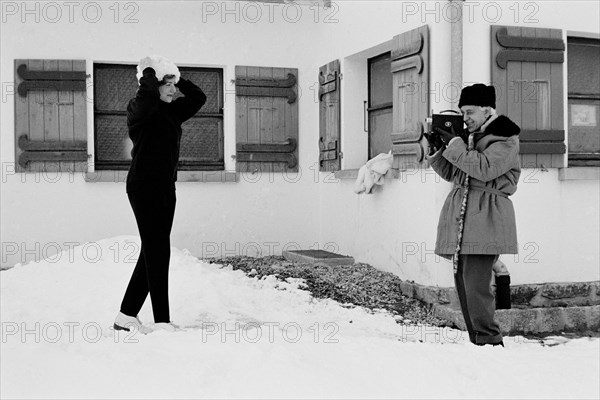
484,189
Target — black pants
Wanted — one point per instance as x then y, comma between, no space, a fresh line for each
472,279
154,210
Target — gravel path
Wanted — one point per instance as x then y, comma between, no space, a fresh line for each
352,285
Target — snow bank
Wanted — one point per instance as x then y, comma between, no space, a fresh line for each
244,337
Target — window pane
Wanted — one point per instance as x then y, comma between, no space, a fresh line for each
380,128
114,87
380,87
112,139
584,131
210,82
584,66
201,139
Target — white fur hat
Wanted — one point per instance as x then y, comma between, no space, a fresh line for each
161,65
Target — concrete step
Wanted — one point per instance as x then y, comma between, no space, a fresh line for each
540,309
535,321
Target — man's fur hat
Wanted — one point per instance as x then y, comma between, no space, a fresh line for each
478,95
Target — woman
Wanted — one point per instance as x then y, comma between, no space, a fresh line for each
154,120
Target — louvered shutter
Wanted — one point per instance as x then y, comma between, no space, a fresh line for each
266,119
527,72
329,117
50,115
410,76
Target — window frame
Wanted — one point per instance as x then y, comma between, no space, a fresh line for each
183,165
384,106
581,159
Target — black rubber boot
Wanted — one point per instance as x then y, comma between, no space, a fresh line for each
502,292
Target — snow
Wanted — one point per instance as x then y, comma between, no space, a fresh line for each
245,337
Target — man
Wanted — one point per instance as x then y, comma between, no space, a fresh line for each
477,222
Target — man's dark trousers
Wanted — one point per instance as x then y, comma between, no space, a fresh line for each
473,285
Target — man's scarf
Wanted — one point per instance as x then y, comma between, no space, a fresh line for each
463,209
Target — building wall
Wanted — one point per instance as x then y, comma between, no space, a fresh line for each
393,229
258,214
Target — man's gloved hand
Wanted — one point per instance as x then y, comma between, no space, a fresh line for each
446,136
435,142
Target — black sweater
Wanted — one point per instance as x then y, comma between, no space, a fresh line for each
155,130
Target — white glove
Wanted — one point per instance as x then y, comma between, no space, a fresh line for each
161,66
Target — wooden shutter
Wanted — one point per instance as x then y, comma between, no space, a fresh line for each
527,72
329,117
50,115
410,76
266,119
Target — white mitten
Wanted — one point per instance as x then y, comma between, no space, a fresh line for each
499,268
161,65
359,185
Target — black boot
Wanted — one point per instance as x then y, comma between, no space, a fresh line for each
502,292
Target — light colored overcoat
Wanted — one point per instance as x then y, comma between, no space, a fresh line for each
494,168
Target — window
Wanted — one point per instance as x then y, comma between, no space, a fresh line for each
202,137
383,108
380,105
584,101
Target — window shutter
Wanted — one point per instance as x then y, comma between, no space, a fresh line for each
410,76
50,115
267,119
329,117
527,72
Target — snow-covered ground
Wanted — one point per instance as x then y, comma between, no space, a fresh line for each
249,338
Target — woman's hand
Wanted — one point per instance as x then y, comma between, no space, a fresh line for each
146,62
160,65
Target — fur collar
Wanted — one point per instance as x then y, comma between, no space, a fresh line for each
500,125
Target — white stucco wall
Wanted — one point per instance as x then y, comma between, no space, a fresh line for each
260,211
393,229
